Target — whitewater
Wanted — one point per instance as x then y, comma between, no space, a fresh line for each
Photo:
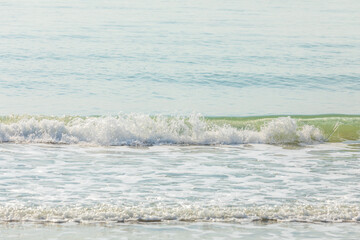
142,129
191,173
139,129
192,188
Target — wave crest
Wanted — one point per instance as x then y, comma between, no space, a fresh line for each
142,129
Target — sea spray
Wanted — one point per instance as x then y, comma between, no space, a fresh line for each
143,129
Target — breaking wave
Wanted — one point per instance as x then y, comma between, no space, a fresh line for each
141,129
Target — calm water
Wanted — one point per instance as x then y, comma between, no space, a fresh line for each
175,57
88,149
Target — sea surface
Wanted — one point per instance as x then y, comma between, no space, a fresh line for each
179,119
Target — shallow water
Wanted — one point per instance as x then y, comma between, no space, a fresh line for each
181,183
183,231
248,191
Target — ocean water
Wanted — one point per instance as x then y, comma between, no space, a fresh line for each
179,119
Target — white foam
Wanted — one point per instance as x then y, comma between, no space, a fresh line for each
141,129
111,213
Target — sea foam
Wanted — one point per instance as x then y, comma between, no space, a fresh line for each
142,129
112,213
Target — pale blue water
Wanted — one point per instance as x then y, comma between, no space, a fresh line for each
179,177
175,57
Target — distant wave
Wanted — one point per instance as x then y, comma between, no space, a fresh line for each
142,129
106,213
